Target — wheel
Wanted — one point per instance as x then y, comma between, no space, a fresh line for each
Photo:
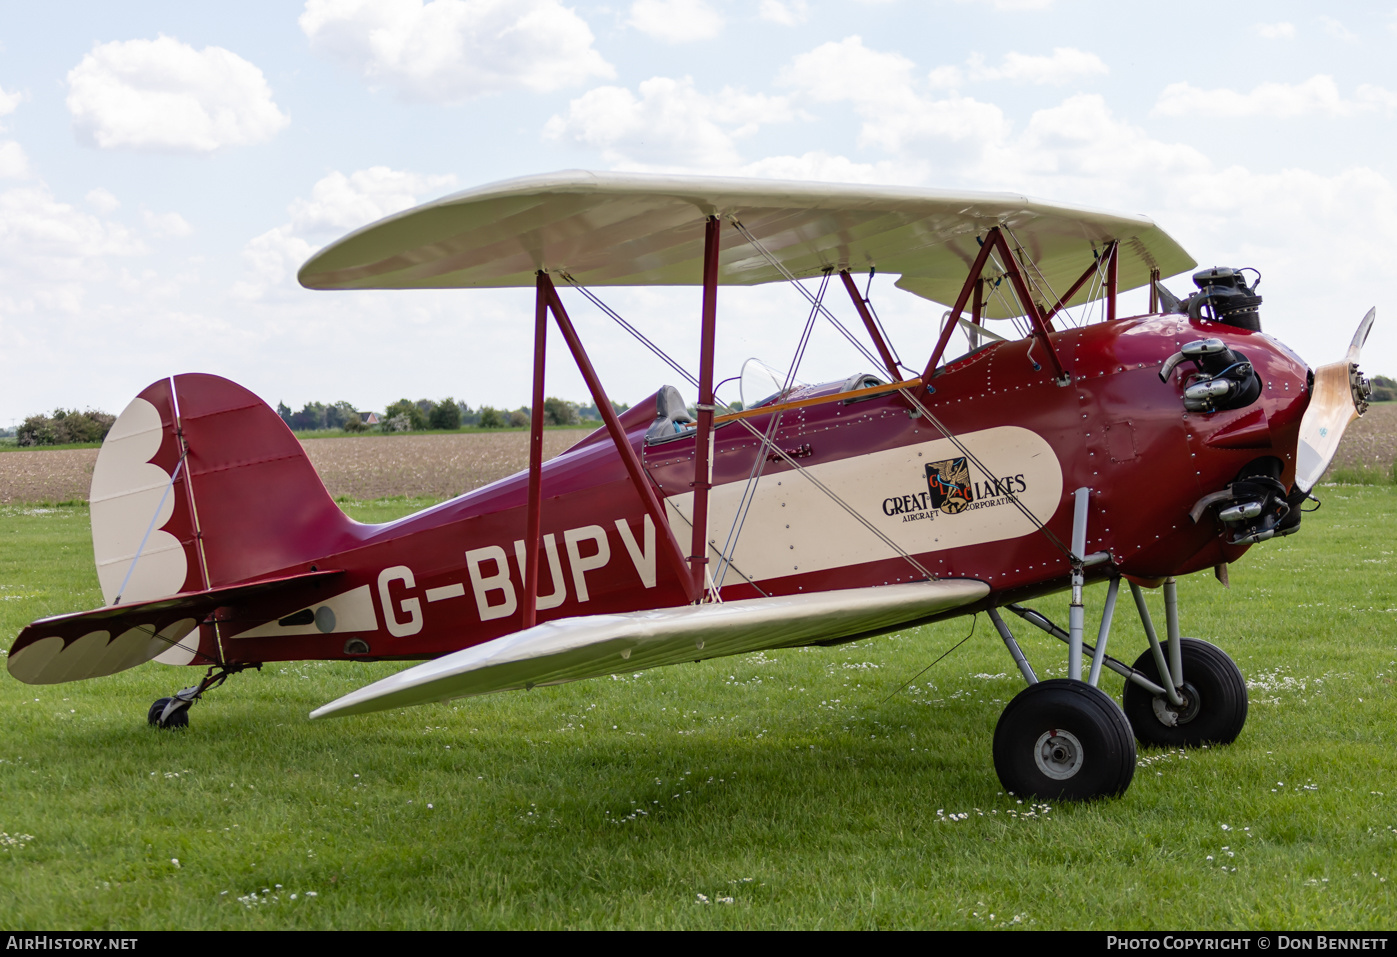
177,719
1064,740
1215,700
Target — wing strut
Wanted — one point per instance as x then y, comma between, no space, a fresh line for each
703,441
871,326
994,240
533,530
674,553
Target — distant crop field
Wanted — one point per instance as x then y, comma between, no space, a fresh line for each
444,465
436,466
1371,442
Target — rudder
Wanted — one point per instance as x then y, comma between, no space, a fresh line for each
201,485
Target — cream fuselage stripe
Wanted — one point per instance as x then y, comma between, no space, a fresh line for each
926,497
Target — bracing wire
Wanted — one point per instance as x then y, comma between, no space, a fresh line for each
1028,263
973,622
1025,510
749,491
767,440
790,277
764,440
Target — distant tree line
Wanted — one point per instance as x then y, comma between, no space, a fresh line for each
407,415
1384,389
65,427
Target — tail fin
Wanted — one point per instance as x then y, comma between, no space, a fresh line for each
200,485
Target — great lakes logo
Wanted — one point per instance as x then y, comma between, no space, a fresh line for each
950,489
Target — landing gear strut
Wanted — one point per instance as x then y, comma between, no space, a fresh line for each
1067,739
174,712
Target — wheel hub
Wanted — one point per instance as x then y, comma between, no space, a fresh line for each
1172,716
1058,754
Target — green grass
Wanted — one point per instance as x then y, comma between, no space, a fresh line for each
1362,476
11,445
788,782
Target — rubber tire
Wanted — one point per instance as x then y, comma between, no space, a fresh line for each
1222,699
180,719
1091,715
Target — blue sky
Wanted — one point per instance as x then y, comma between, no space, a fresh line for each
165,168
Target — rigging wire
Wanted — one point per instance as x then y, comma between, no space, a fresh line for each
882,330
749,490
1027,263
639,336
973,622
790,277
767,440
763,440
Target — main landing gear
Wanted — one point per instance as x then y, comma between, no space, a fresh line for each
173,712
1065,739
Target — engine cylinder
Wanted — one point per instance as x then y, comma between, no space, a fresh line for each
1224,296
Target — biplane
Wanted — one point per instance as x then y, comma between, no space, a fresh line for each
1076,446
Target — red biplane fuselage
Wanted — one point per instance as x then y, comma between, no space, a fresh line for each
451,576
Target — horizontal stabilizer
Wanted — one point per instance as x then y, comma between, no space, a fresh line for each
570,649
93,644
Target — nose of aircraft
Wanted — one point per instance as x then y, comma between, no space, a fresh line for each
1339,396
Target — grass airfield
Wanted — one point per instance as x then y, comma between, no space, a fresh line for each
778,790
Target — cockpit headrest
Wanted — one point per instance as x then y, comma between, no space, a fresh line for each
670,405
670,412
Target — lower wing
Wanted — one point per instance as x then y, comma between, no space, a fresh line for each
570,649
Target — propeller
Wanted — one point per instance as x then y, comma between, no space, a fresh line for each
1339,396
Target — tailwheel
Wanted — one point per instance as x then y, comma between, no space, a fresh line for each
173,712
169,713
1064,740
1215,700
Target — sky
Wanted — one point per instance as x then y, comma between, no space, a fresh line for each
165,168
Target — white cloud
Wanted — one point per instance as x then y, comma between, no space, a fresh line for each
270,261
883,89
1337,30
1317,95
952,119
676,21
338,203
9,102
849,71
670,124
1063,66
102,200
165,224
788,13
1013,4
50,251
1275,31
14,164
449,51
163,95
824,167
